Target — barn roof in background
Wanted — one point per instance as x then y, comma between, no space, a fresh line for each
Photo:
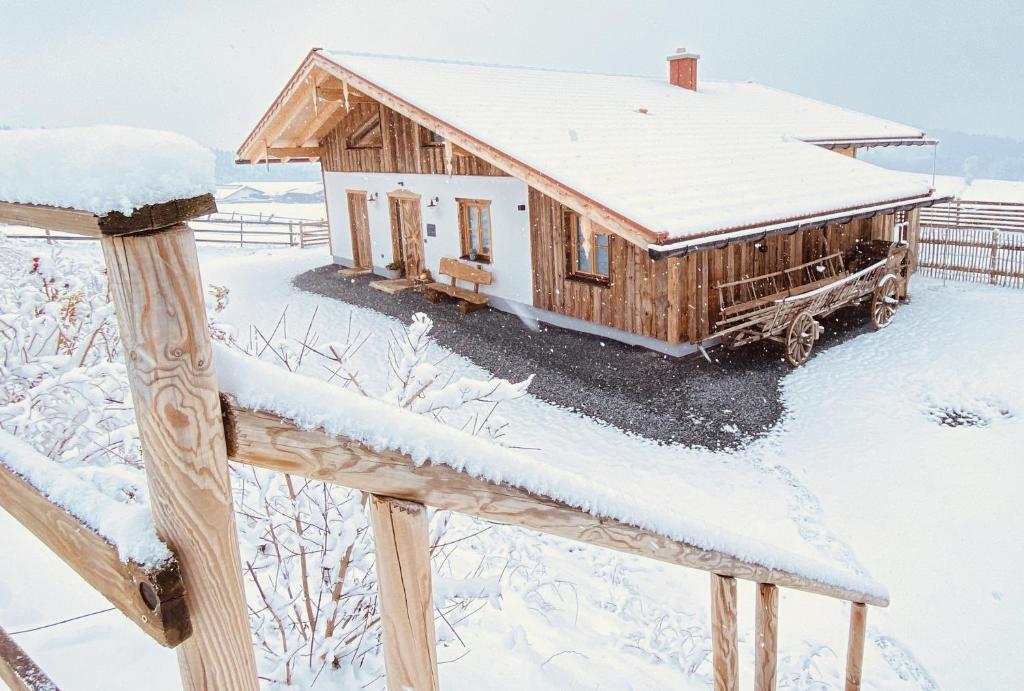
654,162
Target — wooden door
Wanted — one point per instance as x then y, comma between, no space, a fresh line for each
407,233
359,220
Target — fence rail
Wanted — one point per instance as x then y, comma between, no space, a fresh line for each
979,242
244,230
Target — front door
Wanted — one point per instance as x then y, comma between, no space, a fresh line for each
407,232
359,220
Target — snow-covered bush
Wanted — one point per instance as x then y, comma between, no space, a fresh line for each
306,546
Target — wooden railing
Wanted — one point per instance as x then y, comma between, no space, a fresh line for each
244,230
189,430
980,242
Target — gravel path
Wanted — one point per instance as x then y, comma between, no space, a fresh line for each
687,400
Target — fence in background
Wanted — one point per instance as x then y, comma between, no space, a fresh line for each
244,230
980,242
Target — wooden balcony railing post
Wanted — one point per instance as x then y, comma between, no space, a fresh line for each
766,632
158,296
855,651
405,599
723,633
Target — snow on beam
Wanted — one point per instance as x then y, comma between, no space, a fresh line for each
18,670
268,440
143,219
151,595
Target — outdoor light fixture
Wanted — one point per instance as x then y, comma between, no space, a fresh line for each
434,201
371,197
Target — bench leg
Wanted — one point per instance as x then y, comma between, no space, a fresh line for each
435,295
466,307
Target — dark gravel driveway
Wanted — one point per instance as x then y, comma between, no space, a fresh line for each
688,400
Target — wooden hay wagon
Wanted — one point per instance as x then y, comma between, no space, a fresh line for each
785,306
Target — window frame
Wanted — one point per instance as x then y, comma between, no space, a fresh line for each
465,205
572,221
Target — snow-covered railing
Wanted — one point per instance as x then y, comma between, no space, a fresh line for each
278,420
111,545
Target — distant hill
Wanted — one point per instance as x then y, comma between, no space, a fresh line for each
964,155
228,171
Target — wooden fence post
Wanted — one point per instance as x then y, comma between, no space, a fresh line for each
993,264
766,632
158,296
855,651
723,632
405,599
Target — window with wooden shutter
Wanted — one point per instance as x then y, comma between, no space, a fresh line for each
589,252
475,229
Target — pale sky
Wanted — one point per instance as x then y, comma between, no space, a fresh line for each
210,69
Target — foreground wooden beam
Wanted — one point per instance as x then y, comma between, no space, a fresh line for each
405,598
143,219
855,649
158,295
152,598
724,652
270,441
18,670
766,637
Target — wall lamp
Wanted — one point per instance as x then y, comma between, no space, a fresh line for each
372,197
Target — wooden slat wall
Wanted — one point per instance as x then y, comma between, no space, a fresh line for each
675,299
401,151
637,298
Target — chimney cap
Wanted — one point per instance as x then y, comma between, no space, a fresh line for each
682,54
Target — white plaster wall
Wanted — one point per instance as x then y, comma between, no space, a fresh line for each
510,227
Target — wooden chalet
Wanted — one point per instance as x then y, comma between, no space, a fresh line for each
646,210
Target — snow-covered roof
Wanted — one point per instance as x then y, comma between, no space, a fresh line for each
805,118
981,189
678,163
102,169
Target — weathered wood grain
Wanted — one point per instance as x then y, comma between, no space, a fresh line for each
152,598
855,648
766,637
158,295
359,224
18,670
724,653
149,217
402,548
269,441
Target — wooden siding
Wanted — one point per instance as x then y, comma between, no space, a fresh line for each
401,150
675,299
636,298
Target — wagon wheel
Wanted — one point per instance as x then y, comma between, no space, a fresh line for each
885,301
800,338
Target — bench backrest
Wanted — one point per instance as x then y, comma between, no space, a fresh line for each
464,272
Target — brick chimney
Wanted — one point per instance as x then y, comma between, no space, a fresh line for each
682,69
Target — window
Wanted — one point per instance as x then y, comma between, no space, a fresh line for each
589,256
475,229
430,138
367,135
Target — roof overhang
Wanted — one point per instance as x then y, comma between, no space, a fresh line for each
681,248
865,143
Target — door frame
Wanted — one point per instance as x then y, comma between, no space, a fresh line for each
398,245
359,261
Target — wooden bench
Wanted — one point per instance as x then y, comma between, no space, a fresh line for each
469,300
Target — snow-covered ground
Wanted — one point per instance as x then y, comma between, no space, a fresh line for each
862,472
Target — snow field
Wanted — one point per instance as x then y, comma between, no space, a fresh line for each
861,472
